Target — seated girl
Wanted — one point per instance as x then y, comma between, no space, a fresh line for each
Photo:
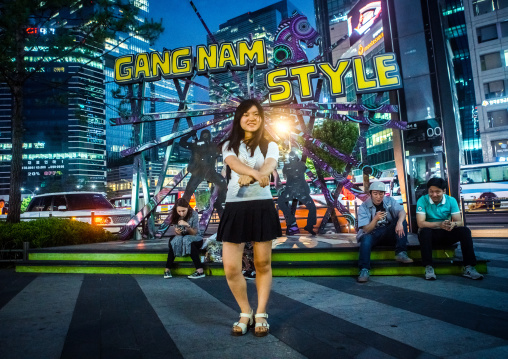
188,239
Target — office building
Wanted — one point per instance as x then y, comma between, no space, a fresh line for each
120,169
64,140
259,24
487,30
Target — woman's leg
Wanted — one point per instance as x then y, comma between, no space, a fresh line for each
232,262
263,265
171,257
194,254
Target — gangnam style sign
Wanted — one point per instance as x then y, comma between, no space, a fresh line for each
242,55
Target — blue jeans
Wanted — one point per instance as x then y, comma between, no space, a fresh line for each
383,235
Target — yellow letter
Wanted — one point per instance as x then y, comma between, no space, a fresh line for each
186,63
363,84
336,75
285,93
227,54
206,60
142,66
161,66
304,74
255,54
123,73
387,70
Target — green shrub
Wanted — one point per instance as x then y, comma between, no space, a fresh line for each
51,232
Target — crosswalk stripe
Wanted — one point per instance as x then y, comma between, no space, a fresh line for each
184,307
498,272
314,333
491,245
419,331
446,289
113,318
494,353
47,302
491,255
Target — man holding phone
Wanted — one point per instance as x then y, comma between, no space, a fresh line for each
381,220
439,221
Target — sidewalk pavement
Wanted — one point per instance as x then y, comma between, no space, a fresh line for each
124,316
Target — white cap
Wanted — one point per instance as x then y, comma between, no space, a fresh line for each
377,186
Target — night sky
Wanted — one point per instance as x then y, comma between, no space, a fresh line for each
183,28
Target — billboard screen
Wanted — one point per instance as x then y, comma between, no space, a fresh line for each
361,18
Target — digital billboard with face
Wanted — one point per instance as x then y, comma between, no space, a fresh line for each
361,18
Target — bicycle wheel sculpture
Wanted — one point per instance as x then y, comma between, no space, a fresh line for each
291,70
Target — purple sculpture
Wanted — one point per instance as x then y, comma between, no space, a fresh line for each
287,49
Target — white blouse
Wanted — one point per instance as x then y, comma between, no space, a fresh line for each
254,191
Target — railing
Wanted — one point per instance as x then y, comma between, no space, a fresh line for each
15,255
477,207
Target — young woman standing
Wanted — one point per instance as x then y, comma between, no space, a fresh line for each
249,214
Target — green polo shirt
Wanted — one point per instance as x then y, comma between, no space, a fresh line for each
437,212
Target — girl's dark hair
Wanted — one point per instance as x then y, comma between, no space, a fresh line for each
180,202
437,182
238,134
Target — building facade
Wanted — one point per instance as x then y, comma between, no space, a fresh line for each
259,24
119,138
64,140
487,29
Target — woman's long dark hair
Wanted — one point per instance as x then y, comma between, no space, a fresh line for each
237,133
175,217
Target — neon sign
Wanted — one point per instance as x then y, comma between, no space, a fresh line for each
227,56
362,17
40,30
495,101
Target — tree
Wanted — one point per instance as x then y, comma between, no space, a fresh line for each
25,203
340,135
72,27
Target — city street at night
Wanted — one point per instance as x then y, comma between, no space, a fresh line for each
260,179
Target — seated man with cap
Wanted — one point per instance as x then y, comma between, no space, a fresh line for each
381,220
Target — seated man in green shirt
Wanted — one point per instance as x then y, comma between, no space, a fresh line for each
439,221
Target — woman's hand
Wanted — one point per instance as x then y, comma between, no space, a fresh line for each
183,223
263,180
178,231
245,180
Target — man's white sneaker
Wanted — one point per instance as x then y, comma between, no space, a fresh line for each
363,277
403,257
429,273
471,272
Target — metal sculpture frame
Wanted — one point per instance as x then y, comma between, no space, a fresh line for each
223,113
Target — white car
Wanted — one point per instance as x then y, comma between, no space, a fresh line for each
78,206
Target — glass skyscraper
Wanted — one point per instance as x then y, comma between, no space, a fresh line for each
261,24
64,120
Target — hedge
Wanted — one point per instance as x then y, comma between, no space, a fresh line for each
51,232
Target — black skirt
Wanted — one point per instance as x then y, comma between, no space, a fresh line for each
249,221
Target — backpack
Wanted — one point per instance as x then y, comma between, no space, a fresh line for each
264,150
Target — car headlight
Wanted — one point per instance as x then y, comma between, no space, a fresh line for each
103,220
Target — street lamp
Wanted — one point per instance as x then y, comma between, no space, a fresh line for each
33,192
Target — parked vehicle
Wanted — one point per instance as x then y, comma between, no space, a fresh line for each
483,179
78,206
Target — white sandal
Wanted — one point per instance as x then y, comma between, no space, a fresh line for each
244,327
261,333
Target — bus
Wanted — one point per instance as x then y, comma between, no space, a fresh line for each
481,180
